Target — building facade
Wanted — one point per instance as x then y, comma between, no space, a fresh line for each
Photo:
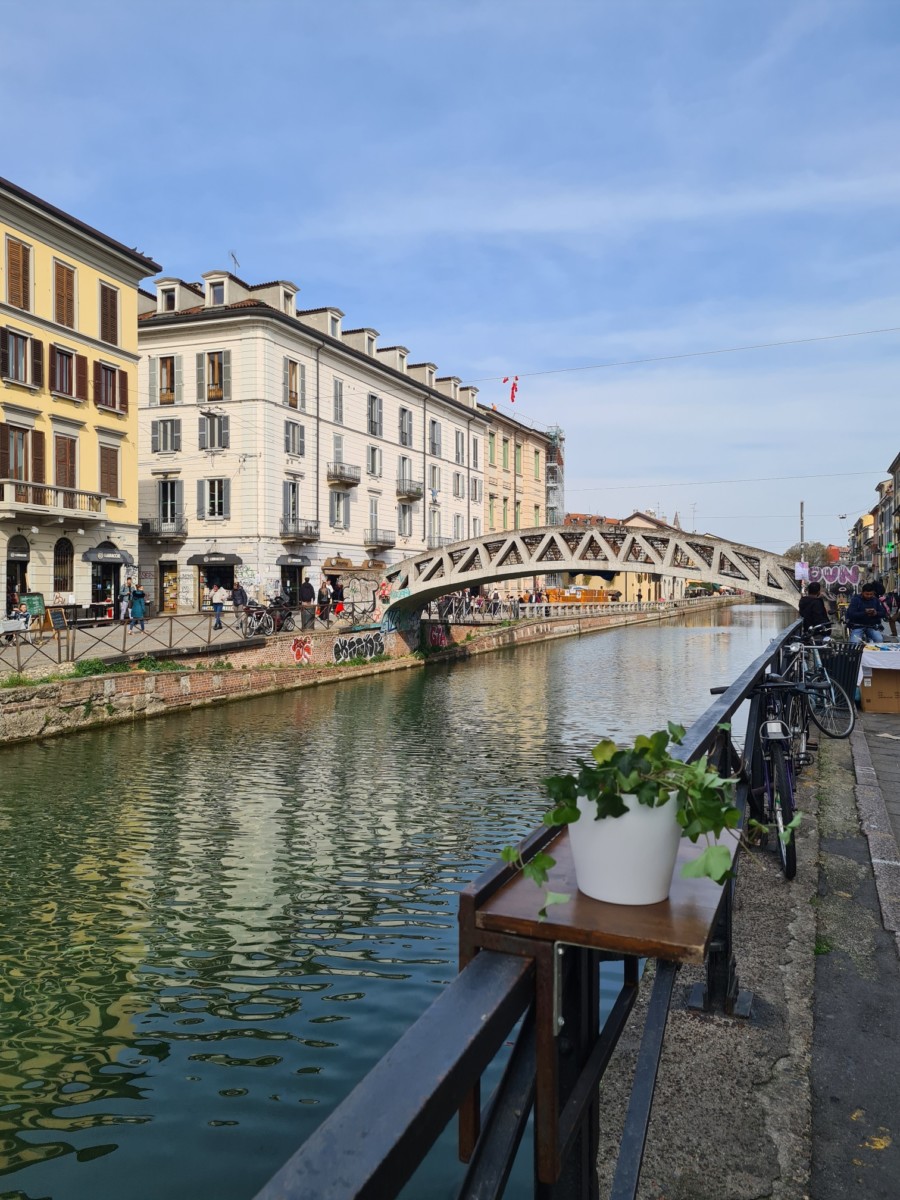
277,446
68,378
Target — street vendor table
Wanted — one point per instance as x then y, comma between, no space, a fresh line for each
878,685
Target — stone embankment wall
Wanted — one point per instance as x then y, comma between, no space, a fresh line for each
285,662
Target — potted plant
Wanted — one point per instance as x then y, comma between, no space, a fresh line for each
628,808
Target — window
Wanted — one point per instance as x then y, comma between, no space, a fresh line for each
64,458
109,470
518,514
338,401
107,387
15,363
491,511
460,446
476,489
476,527
110,387
217,293
458,528
18,274
404,469
287,302
16,453
370,344
492,449
506,454
214,499
168,299
63,566
291,500
109,314
505,512
434,524
434,438
475,454
404,520
374,414
337,444
537,515
294,439
406,427
213,375
167,379
339,509
62,371
518,458
64,295
334,325
165,436
373,512
537,464
459,485
214,432
294,384
170,499
373,460
434,478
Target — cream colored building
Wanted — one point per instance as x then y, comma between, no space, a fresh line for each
68,381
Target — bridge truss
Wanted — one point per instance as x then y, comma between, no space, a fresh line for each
590,549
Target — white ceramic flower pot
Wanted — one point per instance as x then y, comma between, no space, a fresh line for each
627,859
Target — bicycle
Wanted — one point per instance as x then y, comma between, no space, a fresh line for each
827,703
257,620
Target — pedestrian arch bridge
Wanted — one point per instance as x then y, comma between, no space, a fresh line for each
585,550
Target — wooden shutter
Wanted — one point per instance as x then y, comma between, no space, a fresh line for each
4,452
287,437
301,445
64,454
226,499
226,374
201,378
226,432
38,457
201,499
286,500
54,376
176,435
37,363
154,437
332,508
380,416
98,383
109,315
109,470
81,377
64,291
18,270
152,367
123,391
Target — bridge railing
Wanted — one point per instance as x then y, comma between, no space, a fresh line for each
466,611
372,1143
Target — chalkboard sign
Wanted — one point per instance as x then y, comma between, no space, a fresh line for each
57,618
34,602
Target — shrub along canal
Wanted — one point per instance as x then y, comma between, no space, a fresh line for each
215,924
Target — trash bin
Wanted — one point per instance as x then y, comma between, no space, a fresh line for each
842,664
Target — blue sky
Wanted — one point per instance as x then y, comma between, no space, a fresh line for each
512,187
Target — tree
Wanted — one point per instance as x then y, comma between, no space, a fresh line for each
813,553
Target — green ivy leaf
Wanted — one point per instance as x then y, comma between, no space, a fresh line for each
714,863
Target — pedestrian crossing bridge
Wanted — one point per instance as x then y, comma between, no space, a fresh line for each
589,549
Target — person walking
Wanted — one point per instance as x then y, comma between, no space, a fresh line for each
239,600
138,608
125,599
864,616
307,604
218,598
812,608
323,600
891,602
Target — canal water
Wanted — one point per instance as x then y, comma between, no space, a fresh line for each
214,924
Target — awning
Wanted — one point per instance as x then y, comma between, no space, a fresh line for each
122,557
215,560
18,549
292,560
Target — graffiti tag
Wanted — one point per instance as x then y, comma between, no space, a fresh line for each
835,574
301,648
366,645
437,637
401,622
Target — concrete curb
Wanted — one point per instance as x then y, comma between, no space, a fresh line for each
876,825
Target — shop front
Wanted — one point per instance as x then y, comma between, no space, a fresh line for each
18,556
107,564
167,587
213,570
292,567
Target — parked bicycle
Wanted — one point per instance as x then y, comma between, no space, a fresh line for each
828,705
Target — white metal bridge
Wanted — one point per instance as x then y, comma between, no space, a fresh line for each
590,549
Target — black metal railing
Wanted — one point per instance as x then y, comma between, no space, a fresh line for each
341,472
297,530
379,538
410,489
372,1143
162,527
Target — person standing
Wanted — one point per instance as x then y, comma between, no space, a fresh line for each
891,602
138,607
640,597
323,600
812,608
337,597
218,598
239,600
307,604
125,599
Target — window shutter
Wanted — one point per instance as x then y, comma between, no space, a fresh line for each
61,456
201,378
64,287
226,499
285,382
286,500
38,459
109,323
179,380
4,452
81,377
54,381
70,298
380,417
378,453
332,504
123,391
37,362
303,385
98,384
301,445
176,435
154,437
226,435
18,261
179,498
201,433
4,353
152,367
287,437
201,499
226,375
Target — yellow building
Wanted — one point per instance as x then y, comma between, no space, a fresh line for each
68,392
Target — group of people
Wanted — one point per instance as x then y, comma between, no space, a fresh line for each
864,616
132,605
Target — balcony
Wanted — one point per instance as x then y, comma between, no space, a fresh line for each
295,530
343,474
379,539
157,527
410,489
44,502
436,543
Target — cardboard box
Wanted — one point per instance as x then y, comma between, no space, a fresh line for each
880,691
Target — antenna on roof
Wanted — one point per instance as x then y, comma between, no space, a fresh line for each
233,257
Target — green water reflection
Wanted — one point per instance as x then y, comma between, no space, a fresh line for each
214,924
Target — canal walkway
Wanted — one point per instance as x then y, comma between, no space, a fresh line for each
799,1102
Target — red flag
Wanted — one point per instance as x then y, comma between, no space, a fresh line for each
513,388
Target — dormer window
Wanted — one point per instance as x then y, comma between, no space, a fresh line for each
217,293
168,299
370,344
335,326
288,302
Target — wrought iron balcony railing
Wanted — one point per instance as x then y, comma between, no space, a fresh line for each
409,488
435,542
295,530
176,527
379,538
340,472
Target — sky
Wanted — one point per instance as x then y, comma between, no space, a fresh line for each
509,187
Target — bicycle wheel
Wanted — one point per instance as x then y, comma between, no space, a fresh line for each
266,623
287,625
798,723
781,795
832,710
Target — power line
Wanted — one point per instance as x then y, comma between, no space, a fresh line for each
633,362
625,487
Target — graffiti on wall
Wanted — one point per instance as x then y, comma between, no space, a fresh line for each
363,645
836,573
438,637
187,597
301,648
401,622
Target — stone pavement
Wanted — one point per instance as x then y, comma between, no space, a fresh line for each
802,1101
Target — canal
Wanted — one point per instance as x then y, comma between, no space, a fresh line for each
213,925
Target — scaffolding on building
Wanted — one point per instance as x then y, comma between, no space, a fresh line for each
556,489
